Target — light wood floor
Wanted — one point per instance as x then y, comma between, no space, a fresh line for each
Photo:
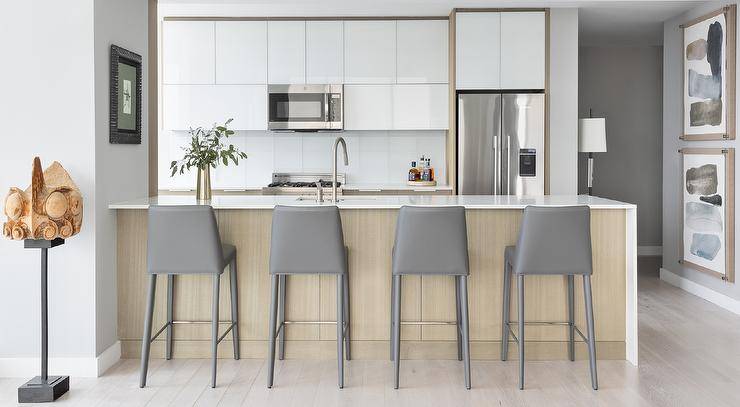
689,356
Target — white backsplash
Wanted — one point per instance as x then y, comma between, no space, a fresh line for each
375,157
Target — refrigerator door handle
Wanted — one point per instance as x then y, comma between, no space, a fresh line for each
496,165
508,165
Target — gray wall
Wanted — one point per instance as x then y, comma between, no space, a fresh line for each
624,84
120,170
563,101
672,128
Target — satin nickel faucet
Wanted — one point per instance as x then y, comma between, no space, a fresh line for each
319,192
334,168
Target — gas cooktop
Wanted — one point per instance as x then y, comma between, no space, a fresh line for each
301,184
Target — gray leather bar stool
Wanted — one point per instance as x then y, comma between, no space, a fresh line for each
307,240
552,241
184,240
431,241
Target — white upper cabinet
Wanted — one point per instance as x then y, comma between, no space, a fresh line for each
241,52
188,52
420,107
368,107
369,52
523,50
186,106
422,51
478,50
286,52
324,52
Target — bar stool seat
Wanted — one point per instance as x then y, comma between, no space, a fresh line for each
307,240
552,241
184,240
431,241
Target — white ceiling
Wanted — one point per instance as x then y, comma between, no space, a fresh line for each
602,22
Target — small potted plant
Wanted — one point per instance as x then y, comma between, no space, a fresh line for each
207,149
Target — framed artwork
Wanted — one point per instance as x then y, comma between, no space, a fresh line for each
709,76
708,211
125,96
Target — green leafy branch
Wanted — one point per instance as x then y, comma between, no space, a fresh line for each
207,148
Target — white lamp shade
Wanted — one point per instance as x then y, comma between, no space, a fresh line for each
592,135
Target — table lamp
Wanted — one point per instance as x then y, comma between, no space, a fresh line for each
591,139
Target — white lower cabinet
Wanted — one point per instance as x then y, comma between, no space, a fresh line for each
186,106
368,107
420,107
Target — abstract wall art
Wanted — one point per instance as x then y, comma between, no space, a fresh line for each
709,76
708,223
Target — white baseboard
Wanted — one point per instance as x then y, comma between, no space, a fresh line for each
649,250
700,291
72,366
108,358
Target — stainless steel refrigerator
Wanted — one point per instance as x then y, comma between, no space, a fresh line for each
501,143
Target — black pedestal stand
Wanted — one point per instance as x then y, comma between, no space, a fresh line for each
43,388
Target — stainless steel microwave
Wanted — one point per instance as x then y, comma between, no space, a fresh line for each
305,107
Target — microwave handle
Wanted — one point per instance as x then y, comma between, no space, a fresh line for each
326,106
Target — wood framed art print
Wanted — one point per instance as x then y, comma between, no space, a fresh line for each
709,76
708,211
125,96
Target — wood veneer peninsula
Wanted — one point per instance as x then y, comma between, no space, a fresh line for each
369,234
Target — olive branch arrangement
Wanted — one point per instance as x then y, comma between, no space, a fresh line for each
207,148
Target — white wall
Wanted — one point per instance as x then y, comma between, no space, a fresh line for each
624,84
55,105
47,111
672,128
120,170
563,101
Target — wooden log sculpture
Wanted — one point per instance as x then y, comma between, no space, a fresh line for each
51,207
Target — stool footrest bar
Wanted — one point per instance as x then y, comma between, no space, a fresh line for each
428,323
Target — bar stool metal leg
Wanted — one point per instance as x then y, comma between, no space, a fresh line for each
281,316
458,326
214,327
146,338
506,313
340,330
590,324
463,283
274,282
170,304
347,353
520,318
234,308
571,320
393,321
396,328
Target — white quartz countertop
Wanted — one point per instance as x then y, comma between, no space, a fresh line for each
381,202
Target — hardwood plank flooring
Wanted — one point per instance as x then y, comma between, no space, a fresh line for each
688,357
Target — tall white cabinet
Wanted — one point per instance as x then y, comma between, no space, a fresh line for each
241,52
370,51
500,50
523,50
286,52
324,52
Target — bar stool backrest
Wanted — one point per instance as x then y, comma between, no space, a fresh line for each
554,240
183,240
431,240
307,240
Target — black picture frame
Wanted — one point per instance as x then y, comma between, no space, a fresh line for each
117,134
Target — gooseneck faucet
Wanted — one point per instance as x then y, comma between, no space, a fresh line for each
338,141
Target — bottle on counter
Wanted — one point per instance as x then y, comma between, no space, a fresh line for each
431,169
414,173
426,173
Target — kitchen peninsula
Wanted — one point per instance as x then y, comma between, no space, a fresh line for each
369,230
